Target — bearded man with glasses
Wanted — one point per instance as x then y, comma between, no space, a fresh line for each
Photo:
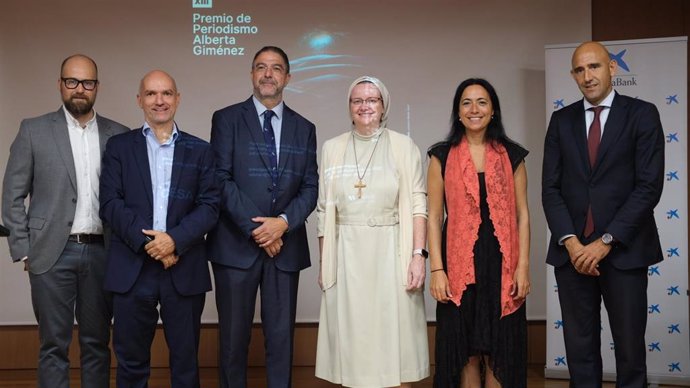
55,160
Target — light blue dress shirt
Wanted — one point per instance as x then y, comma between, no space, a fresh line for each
160,165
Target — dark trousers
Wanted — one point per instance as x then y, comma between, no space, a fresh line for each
73,287
625,296
235,299
135,318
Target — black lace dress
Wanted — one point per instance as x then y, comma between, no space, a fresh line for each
475,328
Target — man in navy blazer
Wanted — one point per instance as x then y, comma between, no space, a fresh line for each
158,194
600,210
266,163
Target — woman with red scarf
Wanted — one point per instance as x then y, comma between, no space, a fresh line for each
479,252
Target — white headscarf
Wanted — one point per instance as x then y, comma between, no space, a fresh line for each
385,97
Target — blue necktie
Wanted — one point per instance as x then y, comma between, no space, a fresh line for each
270,139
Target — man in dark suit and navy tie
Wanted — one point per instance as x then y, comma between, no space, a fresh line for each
158,194
55,161
266,163
602,177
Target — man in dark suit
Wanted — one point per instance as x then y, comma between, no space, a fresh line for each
59,237
158,194
269,187
602,177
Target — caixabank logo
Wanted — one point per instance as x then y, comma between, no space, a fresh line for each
202,3
624,76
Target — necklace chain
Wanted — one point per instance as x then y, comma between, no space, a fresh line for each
360,185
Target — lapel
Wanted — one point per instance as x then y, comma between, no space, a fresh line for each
63,145
142,161
287,136
178,165
251,119
104,132
613,127
580,134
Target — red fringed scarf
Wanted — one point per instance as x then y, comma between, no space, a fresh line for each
462,205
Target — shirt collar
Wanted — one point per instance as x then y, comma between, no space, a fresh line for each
606,102
74,122
146,131
260,108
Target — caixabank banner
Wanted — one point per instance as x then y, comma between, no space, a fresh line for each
654,70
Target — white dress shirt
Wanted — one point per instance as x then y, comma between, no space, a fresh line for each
86,151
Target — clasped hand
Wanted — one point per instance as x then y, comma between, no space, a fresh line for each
586,258
161,248
269,234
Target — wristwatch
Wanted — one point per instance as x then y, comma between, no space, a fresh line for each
607,239
421,251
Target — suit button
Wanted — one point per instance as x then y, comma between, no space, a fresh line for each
69,223
74,200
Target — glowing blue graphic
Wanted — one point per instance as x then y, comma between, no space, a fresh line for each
319,67
320,41
674,328
560,361
558,324
653,270
673,290
674,367
672,213
654,347
672,99
670,252
654,309
619,59
558,104
672,137
672,176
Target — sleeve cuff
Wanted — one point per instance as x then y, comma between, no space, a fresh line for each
561,241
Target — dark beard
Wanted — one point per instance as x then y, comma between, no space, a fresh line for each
78,108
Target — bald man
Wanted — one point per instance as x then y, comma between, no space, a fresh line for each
59,236
159,197
602,177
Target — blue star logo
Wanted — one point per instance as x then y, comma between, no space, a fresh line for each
672,137
673,99
619,59
670,252
672,176
673,290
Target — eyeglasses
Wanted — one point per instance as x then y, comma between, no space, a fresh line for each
72,83
369,101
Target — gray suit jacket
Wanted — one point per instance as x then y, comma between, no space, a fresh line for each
41,166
